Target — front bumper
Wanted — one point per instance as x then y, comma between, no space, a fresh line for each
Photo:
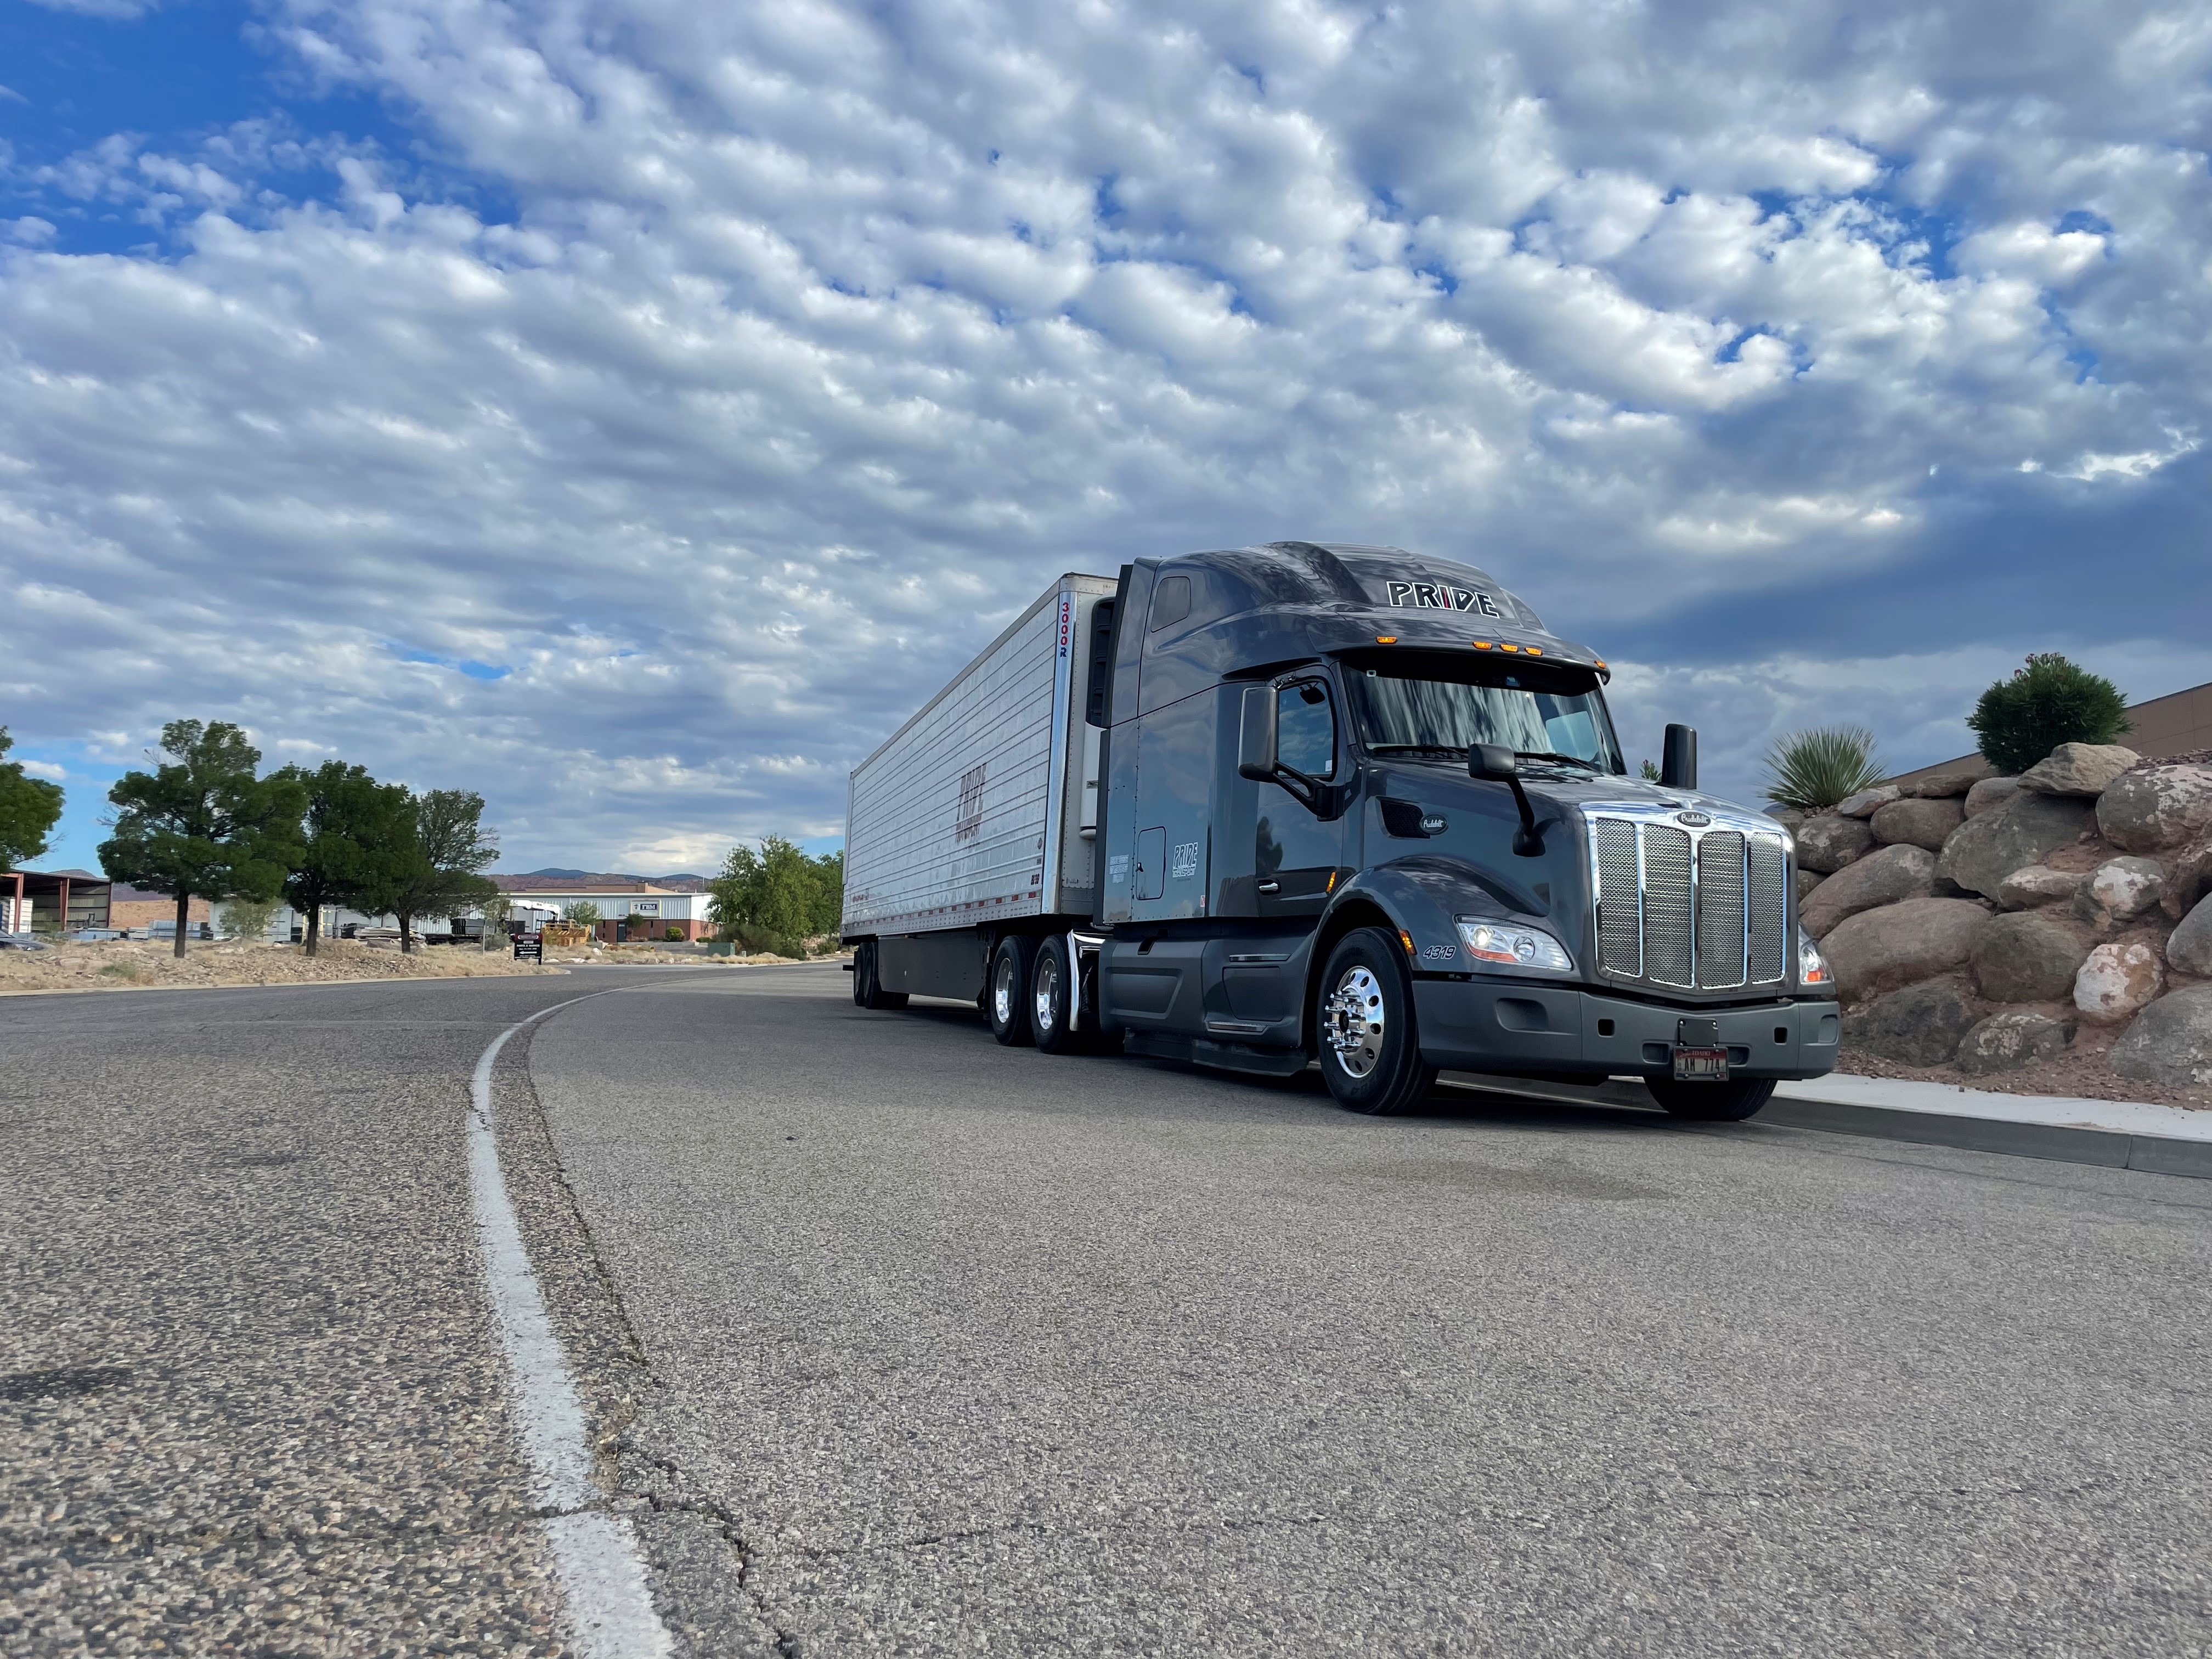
1519,1026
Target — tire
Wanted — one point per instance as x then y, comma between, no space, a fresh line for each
1711,1102
1370,1051
1006,991
867,989
1052,1000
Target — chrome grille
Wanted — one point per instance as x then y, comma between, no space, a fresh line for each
1701,909
1720,910
1667,905
1620,920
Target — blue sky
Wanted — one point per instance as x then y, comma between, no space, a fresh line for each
633,411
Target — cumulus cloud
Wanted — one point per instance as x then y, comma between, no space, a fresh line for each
704,384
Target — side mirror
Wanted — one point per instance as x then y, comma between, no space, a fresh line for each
1678,764
1496,762
1493,760
1255,735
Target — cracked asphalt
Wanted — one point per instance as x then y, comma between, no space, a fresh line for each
901,1343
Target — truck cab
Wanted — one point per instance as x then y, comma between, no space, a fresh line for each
1362,806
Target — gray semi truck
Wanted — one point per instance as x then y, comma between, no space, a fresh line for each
1269,806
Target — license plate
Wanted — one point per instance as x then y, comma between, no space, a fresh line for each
1701,1065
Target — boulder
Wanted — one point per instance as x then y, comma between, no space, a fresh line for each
2027,829
2157,807
2120,890
1926,824
2038,885
1991,792
1878,951
2027,957
1951,784
1886,877
1920,1026
2079,768
1788,817
2188,878
2117,980
1806,881
2171,1041
2189,950
1827,842
1867,801
2005,1043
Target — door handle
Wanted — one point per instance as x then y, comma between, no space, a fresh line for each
1271,887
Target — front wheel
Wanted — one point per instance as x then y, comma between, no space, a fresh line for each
1711,1102
1371,1053
1007,993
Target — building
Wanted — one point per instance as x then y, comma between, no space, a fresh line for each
141,907
55,901
2177,725
627,909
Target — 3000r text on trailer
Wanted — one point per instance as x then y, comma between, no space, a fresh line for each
1251,807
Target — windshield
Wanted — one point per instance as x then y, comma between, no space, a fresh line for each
1401,710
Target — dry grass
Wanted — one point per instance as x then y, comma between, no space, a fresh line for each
148,964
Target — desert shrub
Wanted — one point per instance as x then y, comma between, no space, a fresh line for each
2050,701
246,918
672,934
1813,770
754,941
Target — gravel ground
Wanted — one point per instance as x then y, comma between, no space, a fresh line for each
249,1400
130,964
961,1349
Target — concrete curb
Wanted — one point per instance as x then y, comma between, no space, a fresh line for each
1977,1132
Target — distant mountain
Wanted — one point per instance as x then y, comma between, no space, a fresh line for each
603,875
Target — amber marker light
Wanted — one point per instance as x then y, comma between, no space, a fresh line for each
1509,647
1386,639
1482,645
1406,939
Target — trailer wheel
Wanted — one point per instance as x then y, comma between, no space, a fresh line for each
1005,999
867,989
1711,1102
1370,1054
1052,1000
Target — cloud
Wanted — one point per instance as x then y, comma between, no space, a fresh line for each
703,385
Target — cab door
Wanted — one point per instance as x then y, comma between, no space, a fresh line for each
1298,856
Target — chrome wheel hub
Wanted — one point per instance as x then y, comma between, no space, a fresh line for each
1047,992
1353,1021
1002,992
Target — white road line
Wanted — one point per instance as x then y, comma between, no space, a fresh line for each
595,1555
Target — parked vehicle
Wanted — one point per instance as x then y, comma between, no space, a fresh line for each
1257,807
93,935
22,942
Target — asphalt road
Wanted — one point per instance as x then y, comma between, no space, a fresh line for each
901,1342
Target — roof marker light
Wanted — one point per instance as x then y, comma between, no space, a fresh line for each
1535,650
1509,647
1386,639
1482,645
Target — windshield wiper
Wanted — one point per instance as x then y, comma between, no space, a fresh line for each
1443,749
1546,755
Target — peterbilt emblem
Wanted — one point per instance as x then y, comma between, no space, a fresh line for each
1692,820
1432,823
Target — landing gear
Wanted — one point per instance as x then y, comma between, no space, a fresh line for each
1371,1053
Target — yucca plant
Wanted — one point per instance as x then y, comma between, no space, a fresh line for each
1813,770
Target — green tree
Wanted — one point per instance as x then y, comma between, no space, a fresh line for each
203,825
582,912
357,830
440,846
29,809
2050,701
778,894
247,918
497,908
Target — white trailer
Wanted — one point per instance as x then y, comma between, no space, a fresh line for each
980,810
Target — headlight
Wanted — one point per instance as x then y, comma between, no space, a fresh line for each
1811,969
1515,947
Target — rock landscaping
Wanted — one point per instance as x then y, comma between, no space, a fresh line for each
2048,933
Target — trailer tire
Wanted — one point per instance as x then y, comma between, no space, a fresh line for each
1370,1051
1711,1102
1054,1022
868,988
1006,992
